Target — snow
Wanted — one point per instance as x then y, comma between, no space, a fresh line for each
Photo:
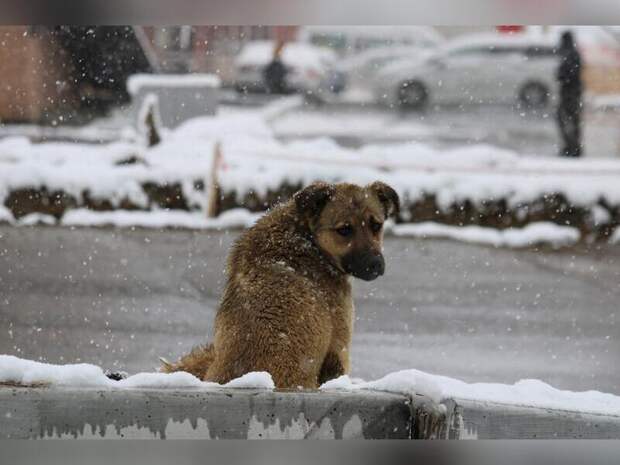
532,234
84,375
5,215
239,218
179,379
254,379
615,237
529,392
33,219
235,218
532,393
599,216
138,81
21,371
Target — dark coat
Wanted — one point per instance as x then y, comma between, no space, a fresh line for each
275,77
569,73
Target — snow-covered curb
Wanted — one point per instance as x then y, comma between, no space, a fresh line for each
543,233
529,392
531,235
236,218
28,372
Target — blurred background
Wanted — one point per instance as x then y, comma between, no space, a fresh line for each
132,156
69,76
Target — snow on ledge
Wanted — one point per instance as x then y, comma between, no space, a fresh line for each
525,393
28,372
138,81
532,234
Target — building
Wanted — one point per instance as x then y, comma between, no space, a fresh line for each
64,74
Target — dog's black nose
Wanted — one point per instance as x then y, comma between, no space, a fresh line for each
366,266
376,266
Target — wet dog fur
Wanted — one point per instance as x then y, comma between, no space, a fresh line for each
287,307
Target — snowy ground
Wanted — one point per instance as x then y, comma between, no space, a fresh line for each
122,298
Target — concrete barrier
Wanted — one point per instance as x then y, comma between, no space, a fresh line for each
179,97
253,414
214,414
488,420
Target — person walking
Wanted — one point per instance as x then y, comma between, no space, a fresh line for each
570,106
275,72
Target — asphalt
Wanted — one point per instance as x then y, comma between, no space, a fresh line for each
122,298
531,133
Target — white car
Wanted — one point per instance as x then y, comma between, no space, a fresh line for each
489,68
310,68
350,40
363,66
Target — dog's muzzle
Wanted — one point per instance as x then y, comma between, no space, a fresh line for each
366,266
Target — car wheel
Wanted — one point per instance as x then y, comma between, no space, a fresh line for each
412,95
534,95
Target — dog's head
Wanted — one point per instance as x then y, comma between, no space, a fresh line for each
346,222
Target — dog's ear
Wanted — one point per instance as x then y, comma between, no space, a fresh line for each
311,200
387,196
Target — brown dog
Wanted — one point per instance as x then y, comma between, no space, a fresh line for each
287,306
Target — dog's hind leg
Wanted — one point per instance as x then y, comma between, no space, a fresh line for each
196,362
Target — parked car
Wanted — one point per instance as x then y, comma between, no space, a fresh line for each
350,40
310,69
363,66
488,68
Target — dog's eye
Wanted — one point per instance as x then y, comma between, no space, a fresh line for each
345,231
375,226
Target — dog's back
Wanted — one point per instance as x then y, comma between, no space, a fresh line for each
287,306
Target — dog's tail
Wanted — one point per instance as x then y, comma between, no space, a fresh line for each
196,362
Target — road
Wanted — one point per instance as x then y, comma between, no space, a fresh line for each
354,125
121,298
527,133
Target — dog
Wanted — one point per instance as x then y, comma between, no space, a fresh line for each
287,307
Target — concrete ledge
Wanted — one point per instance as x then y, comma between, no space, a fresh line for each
39,413
185,414
486,420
